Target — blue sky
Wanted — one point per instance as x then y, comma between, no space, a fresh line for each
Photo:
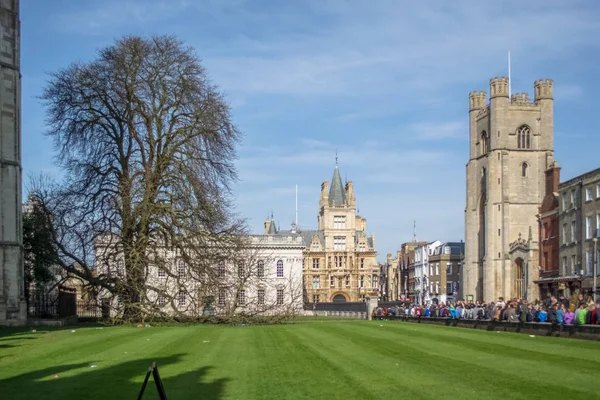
386,83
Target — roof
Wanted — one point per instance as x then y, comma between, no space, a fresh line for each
272,228
337,193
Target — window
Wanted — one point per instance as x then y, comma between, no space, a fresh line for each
348,280
446,249
524,167
573,193
161,273
597,225
315,247
588,194
339,222
221,269
339,243
162,301
315,263
564,201
260,269
574,264
589,263
221,297
362,281
484,143
241,269
279,296
316,298
242,297
589,227
564,234
362,247
449,268
181,269
261,297
437,268
573,232
181,298
362,262
565,266
524,137
375,277
331,281
437,287
449,287
280,269
316,283
598,191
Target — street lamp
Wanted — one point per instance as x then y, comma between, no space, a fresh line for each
595,265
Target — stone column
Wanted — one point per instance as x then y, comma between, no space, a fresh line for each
371,305
13,309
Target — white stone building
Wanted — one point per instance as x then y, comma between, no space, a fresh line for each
264,279
421,282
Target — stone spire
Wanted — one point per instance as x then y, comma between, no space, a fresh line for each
337,193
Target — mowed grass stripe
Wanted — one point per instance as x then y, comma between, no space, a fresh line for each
492,372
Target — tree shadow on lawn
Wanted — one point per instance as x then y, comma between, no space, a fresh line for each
112,382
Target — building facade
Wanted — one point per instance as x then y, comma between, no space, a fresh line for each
406,264
263,279
13,308
340,259
445,265
423,295
511,147
579,224
548,228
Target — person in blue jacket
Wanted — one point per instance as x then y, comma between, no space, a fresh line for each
542,315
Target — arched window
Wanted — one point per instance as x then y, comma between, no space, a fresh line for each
484,143
524,137
280,268
524,167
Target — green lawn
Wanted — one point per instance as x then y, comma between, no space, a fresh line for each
321,359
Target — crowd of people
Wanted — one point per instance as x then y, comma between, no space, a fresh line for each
554,310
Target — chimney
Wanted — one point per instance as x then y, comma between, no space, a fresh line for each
267,226
552,178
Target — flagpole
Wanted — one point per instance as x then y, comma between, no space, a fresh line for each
509,74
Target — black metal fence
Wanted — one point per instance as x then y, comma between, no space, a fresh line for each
88,310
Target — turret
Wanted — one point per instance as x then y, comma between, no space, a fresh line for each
543,89
477,100
498,87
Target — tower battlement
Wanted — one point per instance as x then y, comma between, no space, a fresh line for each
498,87
477,100
543,89
519,98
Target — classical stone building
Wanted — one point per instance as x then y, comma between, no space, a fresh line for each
579,224
13,309
265,278
511,147
340,259
548,235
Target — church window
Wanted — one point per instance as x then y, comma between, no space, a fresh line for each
339,222
524,167
484,143
280,269
260,272
339,243
524,137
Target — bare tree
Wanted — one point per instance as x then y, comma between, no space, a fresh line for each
146,144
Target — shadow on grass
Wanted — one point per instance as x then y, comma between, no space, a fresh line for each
80,381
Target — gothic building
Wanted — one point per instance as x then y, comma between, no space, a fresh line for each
339,259
511,147
13,309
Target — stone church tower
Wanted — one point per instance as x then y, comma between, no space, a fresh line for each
511,147
12,302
